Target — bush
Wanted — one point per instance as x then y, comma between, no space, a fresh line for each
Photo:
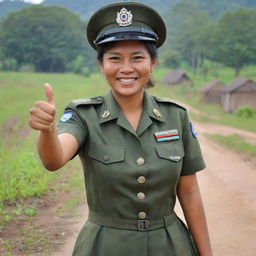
27,68
9,64
245,111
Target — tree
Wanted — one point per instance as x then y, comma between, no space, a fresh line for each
232,40
47,37
186,23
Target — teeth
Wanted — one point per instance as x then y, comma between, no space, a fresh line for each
130,80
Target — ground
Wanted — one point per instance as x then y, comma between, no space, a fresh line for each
228,190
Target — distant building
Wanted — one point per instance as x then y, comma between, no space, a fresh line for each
211,92
241,92
177,77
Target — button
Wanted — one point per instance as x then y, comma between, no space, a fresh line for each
141,195
141,179
106,158
140,161
142,215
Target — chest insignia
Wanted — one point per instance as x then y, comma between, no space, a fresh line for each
167,135
106,113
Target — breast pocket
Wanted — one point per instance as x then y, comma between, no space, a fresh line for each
170,151
107,154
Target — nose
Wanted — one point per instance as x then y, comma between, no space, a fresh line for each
126,67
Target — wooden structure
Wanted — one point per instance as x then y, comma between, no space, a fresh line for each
211,92
241,92
177,77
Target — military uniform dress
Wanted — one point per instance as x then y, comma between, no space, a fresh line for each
131,176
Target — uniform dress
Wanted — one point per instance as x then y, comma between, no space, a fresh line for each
131,176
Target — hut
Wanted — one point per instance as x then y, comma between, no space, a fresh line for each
211,92
177,77
241,92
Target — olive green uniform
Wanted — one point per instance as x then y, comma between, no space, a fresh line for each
131,176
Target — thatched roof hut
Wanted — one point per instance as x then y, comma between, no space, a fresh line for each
176,77
211,92
241,92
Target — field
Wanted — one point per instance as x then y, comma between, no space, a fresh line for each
25,185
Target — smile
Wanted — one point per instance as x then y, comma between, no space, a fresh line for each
127,80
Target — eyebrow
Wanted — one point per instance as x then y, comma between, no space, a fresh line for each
118,53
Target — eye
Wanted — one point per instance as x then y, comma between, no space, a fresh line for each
138,57
114,58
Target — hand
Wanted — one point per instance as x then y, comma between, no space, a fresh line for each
42,114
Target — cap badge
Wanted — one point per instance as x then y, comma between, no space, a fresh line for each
124,18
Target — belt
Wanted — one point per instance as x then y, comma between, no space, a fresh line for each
132,224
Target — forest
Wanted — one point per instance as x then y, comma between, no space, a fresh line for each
47,38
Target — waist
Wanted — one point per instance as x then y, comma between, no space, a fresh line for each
131,224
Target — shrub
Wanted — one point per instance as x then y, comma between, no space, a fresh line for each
245,111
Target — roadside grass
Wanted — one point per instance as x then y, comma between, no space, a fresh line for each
23,178
234,142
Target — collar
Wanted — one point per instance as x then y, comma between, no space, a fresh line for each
110,109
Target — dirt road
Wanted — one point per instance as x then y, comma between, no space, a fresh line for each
228,187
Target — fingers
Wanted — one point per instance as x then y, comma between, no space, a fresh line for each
49,94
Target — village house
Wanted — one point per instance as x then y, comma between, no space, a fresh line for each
241,92
211,92
177,77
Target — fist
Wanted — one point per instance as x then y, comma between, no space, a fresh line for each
42,114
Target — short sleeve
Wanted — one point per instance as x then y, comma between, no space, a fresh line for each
193,160
71,123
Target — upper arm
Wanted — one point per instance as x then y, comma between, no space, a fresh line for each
193,160
187,184
69,146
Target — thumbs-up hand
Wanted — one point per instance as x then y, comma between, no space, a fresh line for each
42,114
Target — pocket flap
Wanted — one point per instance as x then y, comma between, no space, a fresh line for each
106,154
170,151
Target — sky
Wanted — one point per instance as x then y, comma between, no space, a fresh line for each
34,1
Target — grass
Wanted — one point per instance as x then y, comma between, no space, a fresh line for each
234,142
24,179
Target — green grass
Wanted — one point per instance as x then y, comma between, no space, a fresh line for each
234,142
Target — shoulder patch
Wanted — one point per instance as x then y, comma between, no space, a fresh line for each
166,100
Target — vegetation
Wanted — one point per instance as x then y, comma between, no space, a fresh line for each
234,142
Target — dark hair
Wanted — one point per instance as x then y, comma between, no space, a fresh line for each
150,46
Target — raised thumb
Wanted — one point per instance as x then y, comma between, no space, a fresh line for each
49,94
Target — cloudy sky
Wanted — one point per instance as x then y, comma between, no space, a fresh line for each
34,1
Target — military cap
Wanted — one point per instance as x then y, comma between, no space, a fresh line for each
125,21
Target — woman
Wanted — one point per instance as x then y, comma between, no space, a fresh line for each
138,151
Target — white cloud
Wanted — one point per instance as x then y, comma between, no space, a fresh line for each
34,1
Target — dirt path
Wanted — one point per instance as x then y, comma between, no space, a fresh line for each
228,187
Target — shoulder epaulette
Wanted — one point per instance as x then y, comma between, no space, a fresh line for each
85,101
166,100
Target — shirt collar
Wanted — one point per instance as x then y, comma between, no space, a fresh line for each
110,109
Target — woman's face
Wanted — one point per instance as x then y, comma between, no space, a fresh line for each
127,66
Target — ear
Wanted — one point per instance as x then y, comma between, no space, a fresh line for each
153,64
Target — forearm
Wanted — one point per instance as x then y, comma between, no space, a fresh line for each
50,150
192,206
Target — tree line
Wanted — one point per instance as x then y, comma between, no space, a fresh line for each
52,39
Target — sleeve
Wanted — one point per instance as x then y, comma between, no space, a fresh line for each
72,123
193,160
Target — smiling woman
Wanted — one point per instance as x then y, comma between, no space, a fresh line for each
138,151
